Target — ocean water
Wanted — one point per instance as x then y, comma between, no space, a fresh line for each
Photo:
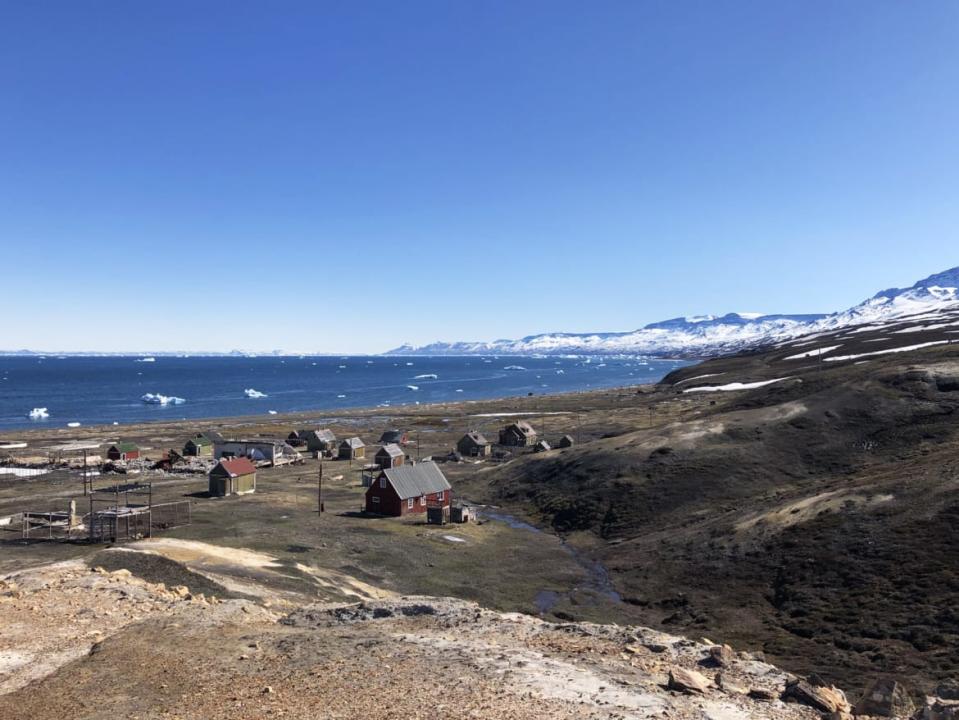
104,390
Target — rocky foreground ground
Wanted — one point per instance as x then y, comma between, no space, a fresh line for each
85,642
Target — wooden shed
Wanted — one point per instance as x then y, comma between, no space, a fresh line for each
198,446
399,437
566,441
474,444
541,446
233,477
409,489
352,449
123,451
320,440
518,434
295,439
389,456
461,513
437,514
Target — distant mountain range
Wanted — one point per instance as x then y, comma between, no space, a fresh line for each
707,335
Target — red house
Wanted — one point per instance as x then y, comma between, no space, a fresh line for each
408,489
123,451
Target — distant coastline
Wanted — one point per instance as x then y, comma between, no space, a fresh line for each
59,391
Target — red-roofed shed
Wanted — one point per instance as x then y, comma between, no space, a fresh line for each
236,476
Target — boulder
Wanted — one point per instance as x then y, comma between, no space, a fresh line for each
884,697
948,690
687,681
823,699
729,686
939,710
720,656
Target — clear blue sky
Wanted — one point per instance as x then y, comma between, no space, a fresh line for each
348,176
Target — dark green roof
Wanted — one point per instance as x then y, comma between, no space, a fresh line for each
200,441
126,447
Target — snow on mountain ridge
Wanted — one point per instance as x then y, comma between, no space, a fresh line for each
714,334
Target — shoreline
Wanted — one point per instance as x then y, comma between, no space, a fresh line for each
110,395
366,412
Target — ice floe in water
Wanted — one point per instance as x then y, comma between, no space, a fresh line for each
251,393
272,412
427,376
514,367
146,359
38,414
413,387
73,424
158,399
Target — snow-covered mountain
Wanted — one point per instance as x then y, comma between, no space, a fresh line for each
715,335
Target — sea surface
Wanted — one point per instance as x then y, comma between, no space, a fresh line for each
104,390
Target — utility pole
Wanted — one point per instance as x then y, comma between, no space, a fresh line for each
319,490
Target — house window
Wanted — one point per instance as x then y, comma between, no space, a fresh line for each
375,499
439,496
422,499
409,503
382,482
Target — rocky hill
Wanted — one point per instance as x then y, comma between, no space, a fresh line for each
802,497
84,642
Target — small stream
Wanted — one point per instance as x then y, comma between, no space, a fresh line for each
597,576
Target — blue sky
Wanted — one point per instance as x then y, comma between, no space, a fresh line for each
349,176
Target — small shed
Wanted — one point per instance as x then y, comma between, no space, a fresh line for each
474,444
461,513
390,456
212,435
123,451
566,441
352,449
398,437
322,440
518,434
541,446
233,477
295,439
198,446
437,514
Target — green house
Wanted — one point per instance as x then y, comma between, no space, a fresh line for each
199,446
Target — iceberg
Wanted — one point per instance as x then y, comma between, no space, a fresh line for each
251,393
38,414
146,359
73,424
157,399
427,376
514,367
413,387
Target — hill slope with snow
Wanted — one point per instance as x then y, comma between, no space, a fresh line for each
717,335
